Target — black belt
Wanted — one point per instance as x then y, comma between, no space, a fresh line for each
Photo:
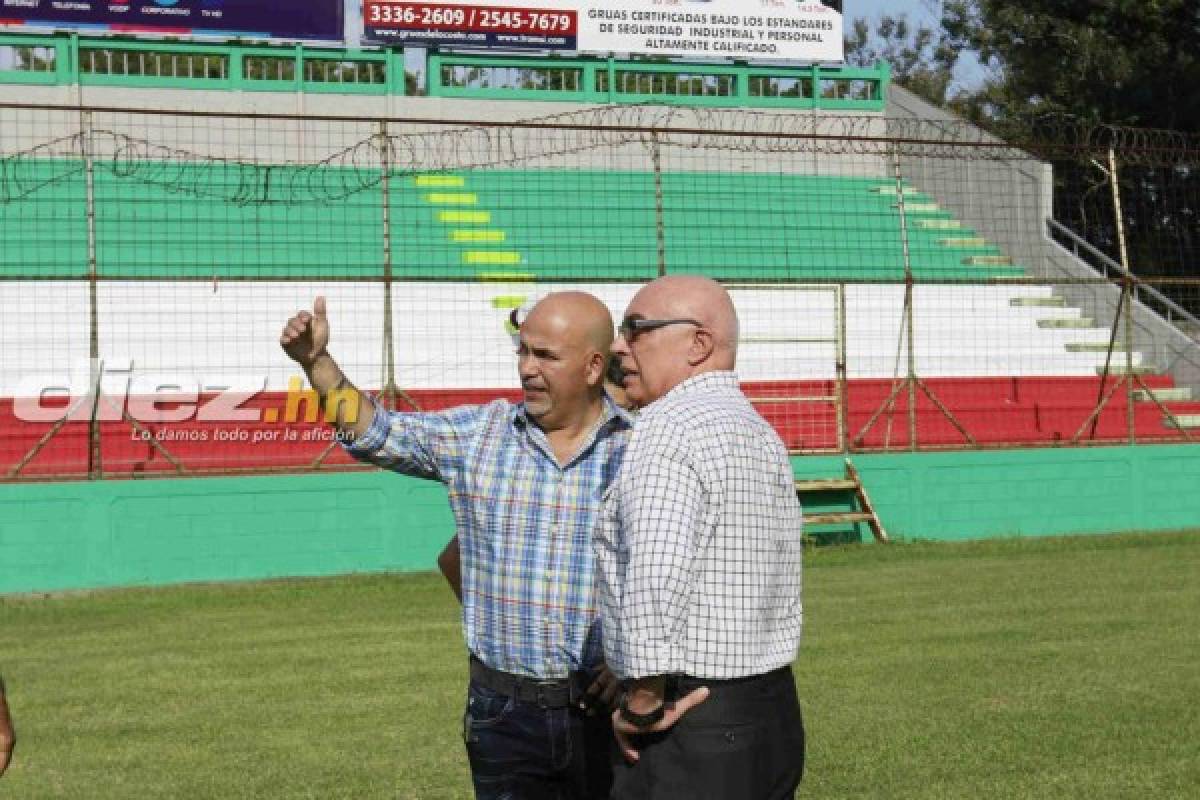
679,685
558,693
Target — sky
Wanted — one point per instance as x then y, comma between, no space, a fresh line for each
926,11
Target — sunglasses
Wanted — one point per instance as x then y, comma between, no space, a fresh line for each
631,326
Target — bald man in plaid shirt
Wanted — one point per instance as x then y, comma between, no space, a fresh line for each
525,483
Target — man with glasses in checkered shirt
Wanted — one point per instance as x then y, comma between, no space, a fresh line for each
698,561
525,483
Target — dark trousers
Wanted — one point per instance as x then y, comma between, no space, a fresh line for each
522,751
745,742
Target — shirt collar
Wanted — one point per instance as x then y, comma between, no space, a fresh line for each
704,382
613,416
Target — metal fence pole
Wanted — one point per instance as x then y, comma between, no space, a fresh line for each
659,217
912,364
1130,285
389,355
1130,417
908,301
95,465
843,393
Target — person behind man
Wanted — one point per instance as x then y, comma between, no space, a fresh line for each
525,483
698,562
8,737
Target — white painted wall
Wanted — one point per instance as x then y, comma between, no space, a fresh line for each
449,335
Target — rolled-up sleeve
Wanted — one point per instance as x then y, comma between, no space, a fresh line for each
428,445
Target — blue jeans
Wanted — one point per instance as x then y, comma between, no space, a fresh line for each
521,751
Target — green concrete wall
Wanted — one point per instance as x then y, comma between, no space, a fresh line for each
121,533
1043,492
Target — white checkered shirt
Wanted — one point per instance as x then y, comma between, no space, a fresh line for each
698,544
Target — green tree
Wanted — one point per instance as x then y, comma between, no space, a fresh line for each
1103,62
922,60
1134,62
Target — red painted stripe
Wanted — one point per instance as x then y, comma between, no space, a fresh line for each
996,411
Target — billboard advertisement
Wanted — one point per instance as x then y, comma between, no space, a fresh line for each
766,30
310,20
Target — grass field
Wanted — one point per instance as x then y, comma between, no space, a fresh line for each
1065,668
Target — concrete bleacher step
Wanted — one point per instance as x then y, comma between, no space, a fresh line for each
1184,421
1094,347
919,208
963,241
890,191
939,224
1121,369
1058,323
1178,394
837,518
987,261
440,181
831,485
1050,301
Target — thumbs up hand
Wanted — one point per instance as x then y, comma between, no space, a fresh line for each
306,335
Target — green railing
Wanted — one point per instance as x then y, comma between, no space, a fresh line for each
610,81
35,60
69,59
138,63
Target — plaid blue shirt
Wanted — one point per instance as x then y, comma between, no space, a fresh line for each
524,525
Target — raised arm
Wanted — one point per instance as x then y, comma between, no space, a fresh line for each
305,338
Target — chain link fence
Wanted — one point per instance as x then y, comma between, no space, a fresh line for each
903,284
